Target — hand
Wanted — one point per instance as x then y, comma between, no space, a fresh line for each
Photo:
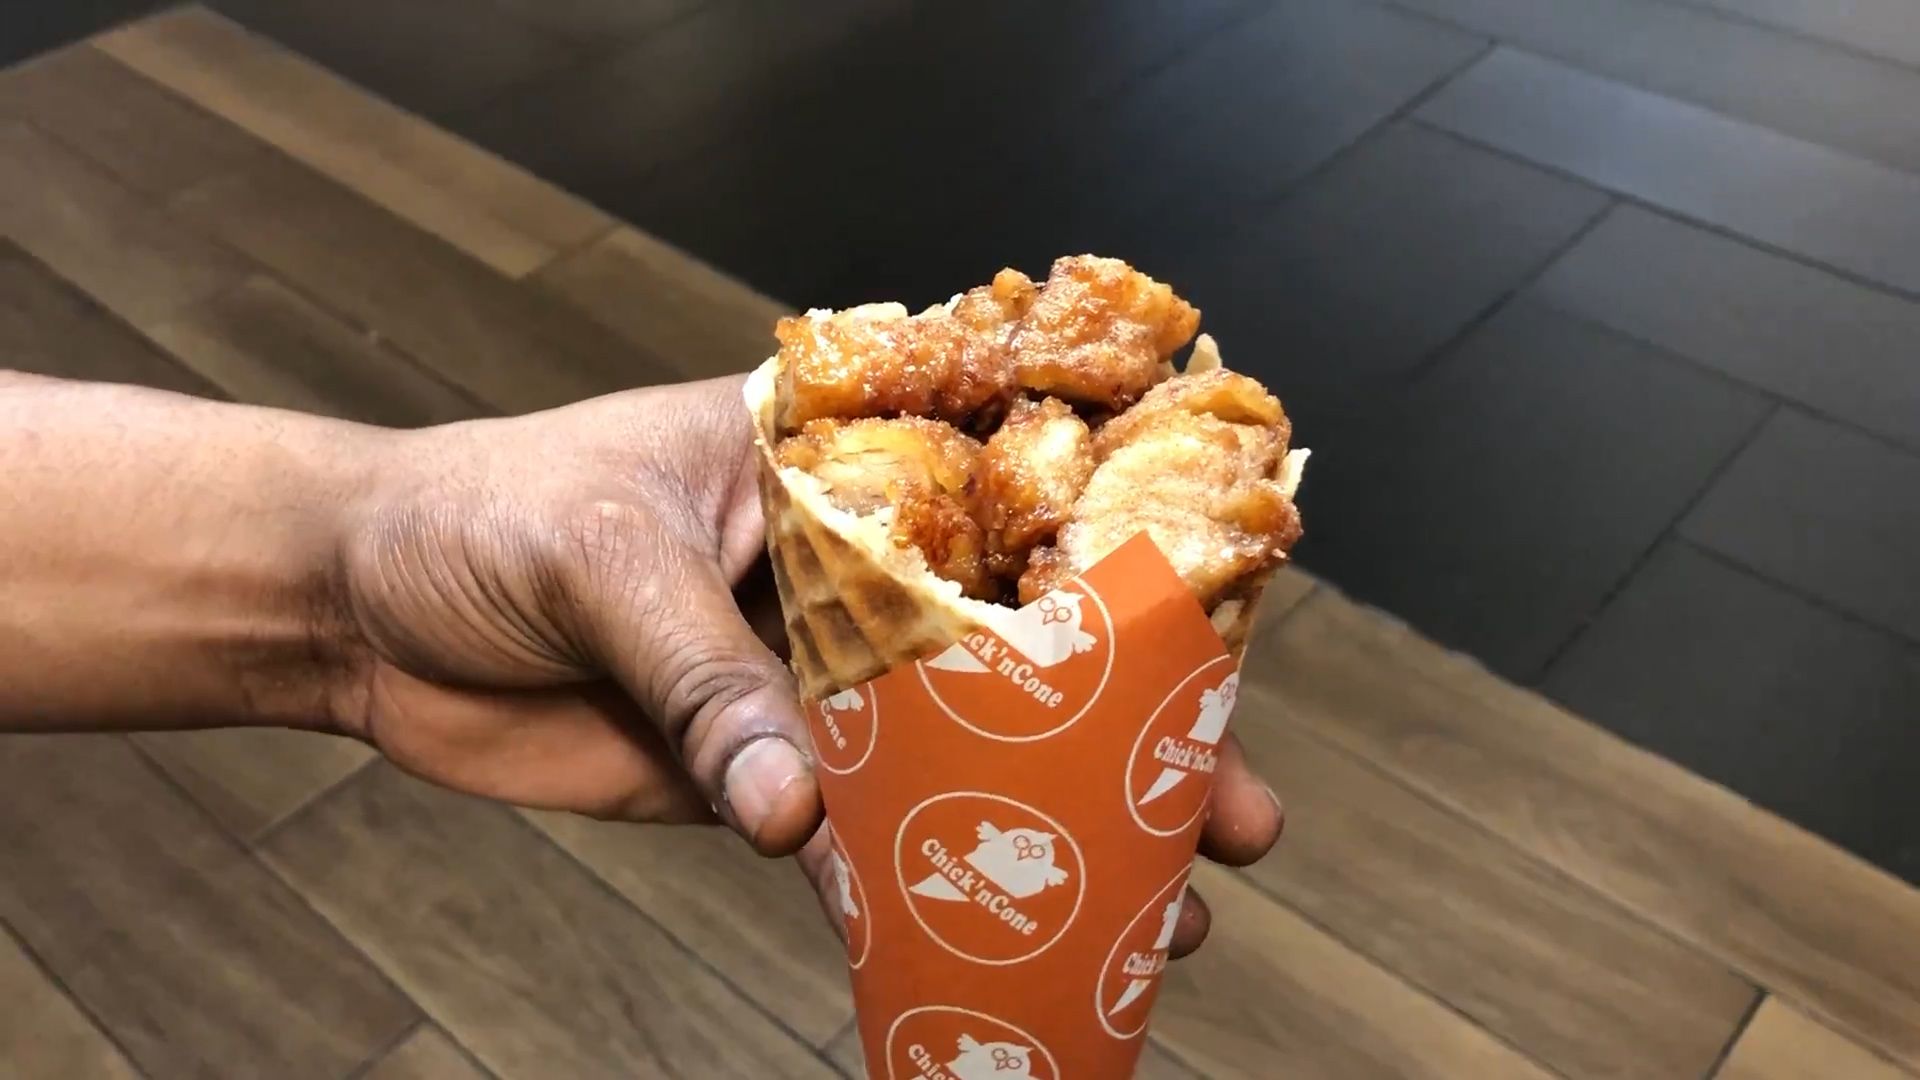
560,611
548,611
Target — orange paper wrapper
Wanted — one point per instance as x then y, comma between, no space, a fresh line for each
1015,819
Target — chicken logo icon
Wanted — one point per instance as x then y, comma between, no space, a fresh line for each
1168,921
1031,673
1136,962
1170,771
1019,861
853,906
845,726
1008,897
942,1042
991,1061
847,907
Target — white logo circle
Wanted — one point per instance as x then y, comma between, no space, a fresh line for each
1138,985
859,701
1133,757
852,897
1024,630
993,876
1029,1043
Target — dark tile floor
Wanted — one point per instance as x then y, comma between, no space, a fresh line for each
1603,315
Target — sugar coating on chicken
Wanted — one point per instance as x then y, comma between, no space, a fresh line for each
1205,489
1093,438
918,467
1226,395
1100,333
1028,478
949,362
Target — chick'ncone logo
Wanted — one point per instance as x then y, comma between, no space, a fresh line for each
1170,772
845,726
1032,672
855,912
1014,818
950,1043
1136,962
990,879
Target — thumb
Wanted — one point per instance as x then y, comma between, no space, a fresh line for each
685,652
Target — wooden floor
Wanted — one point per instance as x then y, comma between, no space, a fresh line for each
1474,883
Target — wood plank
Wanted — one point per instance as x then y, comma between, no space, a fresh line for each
1783,1043
197,960
265,344
754,920
1850,544
437,57
1155,1063
1888,28
1382,258
1847,212
119,248
494,211
1853,103
595,22
1602,440
1284,593
48,327
514,348
1836,346
603,124
1774,903
527,960
428,1054
250,779
1551,967
668,303
1823,704
43,1034
1289,587
846,1054
150,139
1271,994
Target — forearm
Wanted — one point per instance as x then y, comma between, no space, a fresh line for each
168,562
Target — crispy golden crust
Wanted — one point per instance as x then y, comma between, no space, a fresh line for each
1100,333
1226,395
920,468
859,459
1194,460
876,360
939,525
1204,489
1029,476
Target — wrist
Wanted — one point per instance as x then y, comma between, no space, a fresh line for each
170,562
297,490
351,482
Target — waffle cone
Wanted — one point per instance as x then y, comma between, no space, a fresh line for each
856,605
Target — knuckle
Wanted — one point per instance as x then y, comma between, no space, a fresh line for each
601,534
699,682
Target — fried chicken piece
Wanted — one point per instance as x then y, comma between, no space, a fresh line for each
939,525
858,460
1225,395
950,362
1202,487
1030,474
1100,333
918,467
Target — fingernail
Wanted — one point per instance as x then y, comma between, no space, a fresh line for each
757,779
